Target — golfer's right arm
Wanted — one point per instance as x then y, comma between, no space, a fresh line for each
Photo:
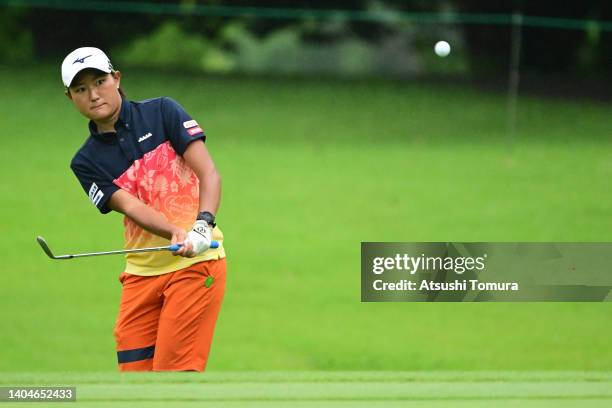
146,217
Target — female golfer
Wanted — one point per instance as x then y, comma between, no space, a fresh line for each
148,161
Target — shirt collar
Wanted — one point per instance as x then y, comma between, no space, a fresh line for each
125,117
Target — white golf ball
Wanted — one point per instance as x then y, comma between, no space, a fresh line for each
442,48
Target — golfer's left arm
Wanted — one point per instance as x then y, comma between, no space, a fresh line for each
197,157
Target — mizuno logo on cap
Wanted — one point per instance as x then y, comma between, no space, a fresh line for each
81,60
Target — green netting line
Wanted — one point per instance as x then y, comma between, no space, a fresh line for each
380,16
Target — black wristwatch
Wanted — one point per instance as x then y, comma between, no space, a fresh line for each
208,217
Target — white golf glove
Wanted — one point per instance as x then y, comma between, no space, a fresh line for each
200,237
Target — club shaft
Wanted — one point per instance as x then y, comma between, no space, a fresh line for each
174,247
117,252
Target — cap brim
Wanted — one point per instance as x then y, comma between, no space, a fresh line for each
83,69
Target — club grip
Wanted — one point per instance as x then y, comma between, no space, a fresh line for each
176,247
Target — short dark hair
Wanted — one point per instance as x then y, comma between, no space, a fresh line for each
120,90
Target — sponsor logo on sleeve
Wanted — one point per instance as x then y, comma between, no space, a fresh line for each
95,194
194,131
189,124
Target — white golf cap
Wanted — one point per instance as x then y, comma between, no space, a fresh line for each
82,58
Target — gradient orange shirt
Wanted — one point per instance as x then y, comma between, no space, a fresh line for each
144,158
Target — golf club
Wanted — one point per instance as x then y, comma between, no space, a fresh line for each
45,247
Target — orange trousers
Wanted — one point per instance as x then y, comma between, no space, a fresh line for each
166,322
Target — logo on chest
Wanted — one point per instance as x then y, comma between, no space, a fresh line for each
144,137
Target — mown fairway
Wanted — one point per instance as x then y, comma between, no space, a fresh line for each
331,389
311,168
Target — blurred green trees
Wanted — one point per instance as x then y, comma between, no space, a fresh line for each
357,36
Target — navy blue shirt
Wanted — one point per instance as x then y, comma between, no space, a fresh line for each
142,128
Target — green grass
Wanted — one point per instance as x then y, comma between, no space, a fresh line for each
329,389
310,169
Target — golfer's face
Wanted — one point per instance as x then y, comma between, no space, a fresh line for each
95,94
